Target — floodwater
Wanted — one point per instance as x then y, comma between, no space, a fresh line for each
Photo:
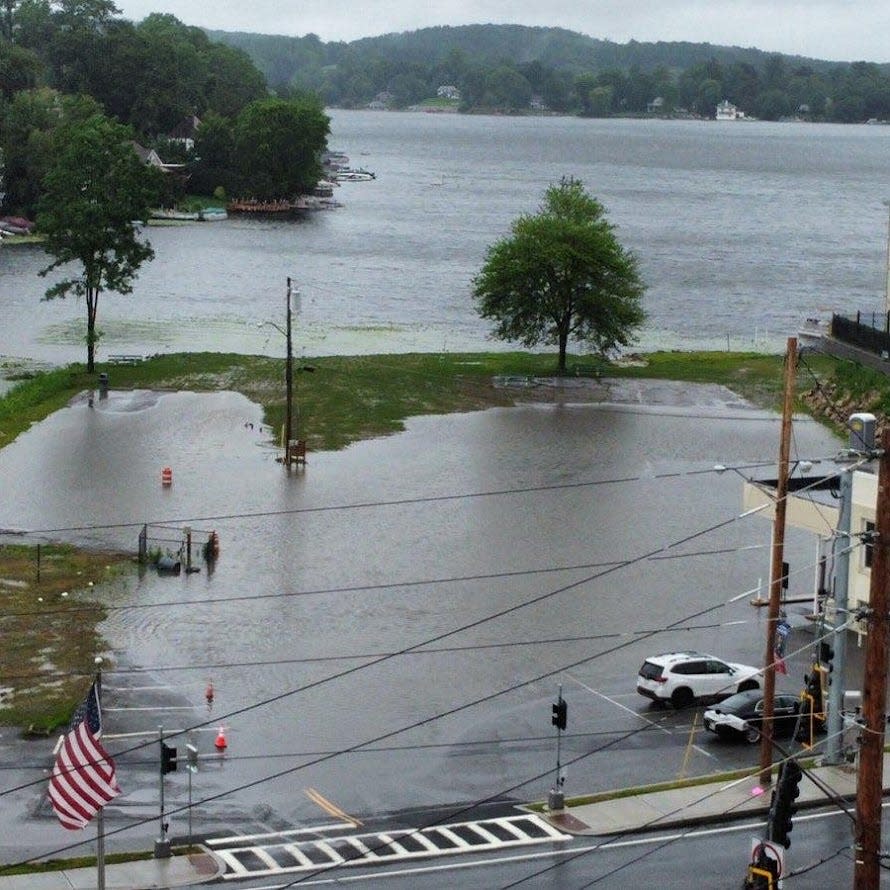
442,534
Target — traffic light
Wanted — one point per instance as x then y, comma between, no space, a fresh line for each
560,713
168,759
761,876
816,690
784,807
805,720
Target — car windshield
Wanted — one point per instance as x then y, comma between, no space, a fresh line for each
650,671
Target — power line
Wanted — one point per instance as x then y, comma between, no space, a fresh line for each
473,624
457,709
362,505
359,588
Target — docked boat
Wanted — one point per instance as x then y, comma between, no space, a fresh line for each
350,175
16,225
212,214
178,215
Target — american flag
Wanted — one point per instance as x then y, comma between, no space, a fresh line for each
83,778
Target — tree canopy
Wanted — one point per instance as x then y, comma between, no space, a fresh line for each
278,144
562,275
95,188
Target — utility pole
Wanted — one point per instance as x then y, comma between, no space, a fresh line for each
775,590
874,692
862,444
887,269
289,384
835,722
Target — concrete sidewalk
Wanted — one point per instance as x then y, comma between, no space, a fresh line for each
703,804
707,803
146,874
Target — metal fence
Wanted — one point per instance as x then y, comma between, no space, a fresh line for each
869,330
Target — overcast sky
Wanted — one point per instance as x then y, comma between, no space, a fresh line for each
844,30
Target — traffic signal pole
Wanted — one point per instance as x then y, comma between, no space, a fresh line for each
775,589
874,691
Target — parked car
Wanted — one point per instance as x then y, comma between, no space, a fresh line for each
684,677
740,716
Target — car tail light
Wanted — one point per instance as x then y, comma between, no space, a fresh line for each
661,679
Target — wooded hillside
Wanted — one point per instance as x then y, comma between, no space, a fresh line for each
514,68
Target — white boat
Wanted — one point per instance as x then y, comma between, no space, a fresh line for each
180,215
212,214
354,175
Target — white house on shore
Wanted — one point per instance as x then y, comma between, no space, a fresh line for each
726,111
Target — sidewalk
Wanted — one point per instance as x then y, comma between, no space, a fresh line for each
146,874
704,804
707,803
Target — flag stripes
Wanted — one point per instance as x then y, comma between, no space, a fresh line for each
83,778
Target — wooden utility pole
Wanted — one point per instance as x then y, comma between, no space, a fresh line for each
775,588
289,385
874,692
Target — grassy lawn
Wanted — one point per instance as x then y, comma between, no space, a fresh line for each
48,656
348,398
49,630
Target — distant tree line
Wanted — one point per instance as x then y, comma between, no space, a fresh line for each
66,60
502,67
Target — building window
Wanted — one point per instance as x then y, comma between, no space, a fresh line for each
868,548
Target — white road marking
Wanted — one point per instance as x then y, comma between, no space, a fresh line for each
294,832
618,704
376,847
157,708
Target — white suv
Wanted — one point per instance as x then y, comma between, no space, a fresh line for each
683,677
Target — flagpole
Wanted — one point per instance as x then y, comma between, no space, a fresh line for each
100,816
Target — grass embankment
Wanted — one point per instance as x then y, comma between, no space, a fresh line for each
47,654
50,635
349,398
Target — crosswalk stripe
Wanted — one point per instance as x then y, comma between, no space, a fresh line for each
378,847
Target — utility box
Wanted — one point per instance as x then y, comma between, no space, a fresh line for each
862,431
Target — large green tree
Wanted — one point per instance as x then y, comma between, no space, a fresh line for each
95,191
562,275
278,143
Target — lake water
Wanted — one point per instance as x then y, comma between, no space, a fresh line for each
743,230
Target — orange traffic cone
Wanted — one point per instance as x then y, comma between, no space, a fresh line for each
221,744
166,476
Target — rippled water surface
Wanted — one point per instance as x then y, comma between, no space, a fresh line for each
743,230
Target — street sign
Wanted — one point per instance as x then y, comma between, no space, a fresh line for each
192,758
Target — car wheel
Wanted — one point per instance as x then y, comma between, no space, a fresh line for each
752,734
682,698
748,684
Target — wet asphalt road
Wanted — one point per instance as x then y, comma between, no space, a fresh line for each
432,541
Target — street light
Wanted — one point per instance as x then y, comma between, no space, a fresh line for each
288,376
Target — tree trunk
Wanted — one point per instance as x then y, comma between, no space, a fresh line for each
92,305
563,343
